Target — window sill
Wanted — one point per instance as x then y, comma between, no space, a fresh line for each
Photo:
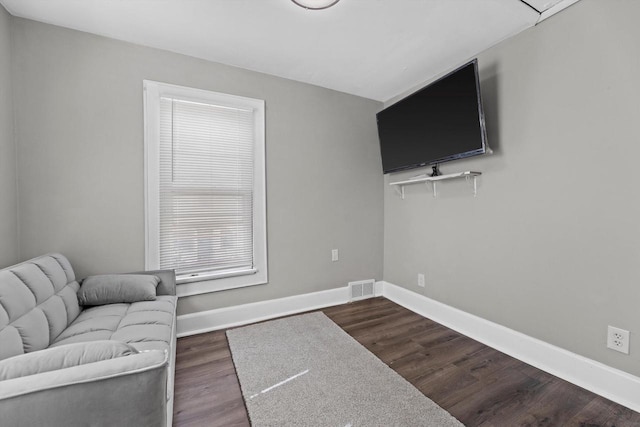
221,284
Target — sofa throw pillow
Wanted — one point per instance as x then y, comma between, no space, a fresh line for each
64,356
117,288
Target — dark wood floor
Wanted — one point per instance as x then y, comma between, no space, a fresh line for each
475,383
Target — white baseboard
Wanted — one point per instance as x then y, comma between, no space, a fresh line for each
616,385
379,289
228,317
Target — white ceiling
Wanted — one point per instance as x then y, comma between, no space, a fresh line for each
377,49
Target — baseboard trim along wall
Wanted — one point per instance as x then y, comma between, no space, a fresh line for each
616,385
229,317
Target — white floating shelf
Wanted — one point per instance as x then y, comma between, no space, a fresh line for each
433,179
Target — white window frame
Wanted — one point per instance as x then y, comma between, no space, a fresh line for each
153,91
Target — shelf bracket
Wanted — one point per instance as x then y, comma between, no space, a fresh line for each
400,190
475,183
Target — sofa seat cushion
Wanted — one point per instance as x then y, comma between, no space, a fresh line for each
145,325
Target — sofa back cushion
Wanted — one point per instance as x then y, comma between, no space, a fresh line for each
37,302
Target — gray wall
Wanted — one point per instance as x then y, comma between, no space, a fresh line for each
9,251
80,137
551,245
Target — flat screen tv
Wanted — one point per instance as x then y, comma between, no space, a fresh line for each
442,122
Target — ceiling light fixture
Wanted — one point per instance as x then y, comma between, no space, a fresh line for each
315,4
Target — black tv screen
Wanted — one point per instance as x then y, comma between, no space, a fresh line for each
441,122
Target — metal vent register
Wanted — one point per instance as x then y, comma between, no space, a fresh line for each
361,289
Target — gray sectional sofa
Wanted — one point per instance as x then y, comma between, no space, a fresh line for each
64,364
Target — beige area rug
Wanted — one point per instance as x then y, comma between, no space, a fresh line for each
306,371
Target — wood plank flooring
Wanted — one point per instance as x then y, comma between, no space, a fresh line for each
475,383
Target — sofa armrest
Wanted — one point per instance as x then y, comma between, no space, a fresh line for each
167,285
62,357
116,391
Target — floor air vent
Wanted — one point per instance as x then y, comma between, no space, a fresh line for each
362,289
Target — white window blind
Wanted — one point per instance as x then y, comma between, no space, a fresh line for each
206,188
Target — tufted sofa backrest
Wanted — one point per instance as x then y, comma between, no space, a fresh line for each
37,302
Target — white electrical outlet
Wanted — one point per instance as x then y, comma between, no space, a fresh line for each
618,339
421,280
334,255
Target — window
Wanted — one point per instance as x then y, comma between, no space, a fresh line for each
204,188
